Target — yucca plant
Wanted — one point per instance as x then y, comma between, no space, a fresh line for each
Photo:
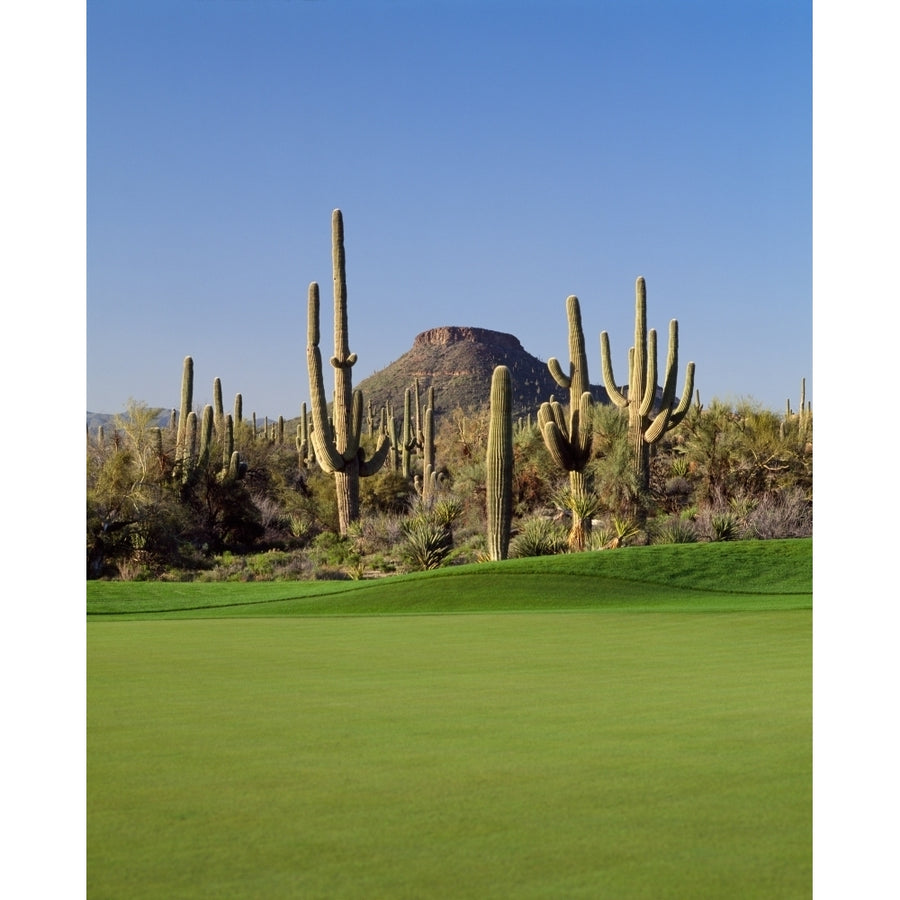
724,526
539,536
676,531
583,507
426,544
447,510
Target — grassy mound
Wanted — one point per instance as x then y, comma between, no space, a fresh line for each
744,575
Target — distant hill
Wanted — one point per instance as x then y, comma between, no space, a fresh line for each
107,420
459,362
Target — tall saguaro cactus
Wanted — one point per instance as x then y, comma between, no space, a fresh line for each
499,465
647,421
337,446
218,407
187,399
569,442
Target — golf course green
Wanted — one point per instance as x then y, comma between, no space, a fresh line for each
623,724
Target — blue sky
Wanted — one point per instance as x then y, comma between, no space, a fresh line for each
490,159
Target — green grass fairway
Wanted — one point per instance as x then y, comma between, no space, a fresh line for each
599,752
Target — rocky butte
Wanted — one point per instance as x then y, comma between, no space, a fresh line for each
459,362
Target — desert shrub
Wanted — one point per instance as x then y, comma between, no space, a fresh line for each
330,549
379,533
619,531
427,543
384,492
786,514
723,526
675,530
538,536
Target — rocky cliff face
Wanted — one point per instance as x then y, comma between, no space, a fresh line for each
459,361
454,334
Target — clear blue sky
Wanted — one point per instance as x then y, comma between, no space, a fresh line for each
490,157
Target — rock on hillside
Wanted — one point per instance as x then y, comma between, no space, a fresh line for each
459,362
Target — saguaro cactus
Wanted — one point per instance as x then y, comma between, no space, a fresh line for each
187,399
191,448
569,442
429,473
647,421
337,447
206,436
218,407
304,448
499,465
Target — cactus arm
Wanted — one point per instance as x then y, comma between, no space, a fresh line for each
552,411
658,427
374,463
326,452
649,376
685,403
668,418
609,379
558,446
584,438
668,395
563,380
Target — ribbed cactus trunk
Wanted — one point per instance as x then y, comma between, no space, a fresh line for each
429,476
337,446
499,465
407,436
207,425
227,441
647,422
191,448
218,407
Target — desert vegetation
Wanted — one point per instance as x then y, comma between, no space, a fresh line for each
349,491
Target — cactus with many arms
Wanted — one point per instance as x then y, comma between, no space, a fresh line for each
569,441
337,448
647,421
499,465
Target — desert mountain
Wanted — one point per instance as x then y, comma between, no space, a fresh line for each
459,362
